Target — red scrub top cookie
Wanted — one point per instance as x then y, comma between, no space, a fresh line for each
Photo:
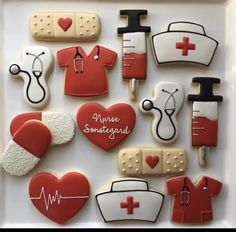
59,199
85,75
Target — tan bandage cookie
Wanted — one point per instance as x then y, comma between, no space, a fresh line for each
152,161
60,26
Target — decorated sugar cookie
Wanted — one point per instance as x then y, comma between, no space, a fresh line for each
106,128
130,199
61,26
34,70
184,42
134,50
85,74
59,199
167,102
60,124
205,117
192,202
152,161
28,145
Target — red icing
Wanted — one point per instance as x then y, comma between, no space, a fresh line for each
119,118
65,23
207,134
59,200
91,77
134,66
185,46
20,119
152,161
34,137
130,205
193,205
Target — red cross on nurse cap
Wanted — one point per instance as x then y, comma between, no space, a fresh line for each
184,42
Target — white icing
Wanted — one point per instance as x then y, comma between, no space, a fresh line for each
162,100
127,185
205,109
56,198
35,91
164,46
105,130
99,118
61,125
150,203
134,43
184,26
17,161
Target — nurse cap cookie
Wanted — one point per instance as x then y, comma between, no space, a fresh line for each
164,106
130,199
60,124
192,202
59,199
184,42
34,70
65,26
28,145
152,161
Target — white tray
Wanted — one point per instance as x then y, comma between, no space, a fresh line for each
219,19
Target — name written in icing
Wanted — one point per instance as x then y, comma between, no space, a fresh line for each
98,118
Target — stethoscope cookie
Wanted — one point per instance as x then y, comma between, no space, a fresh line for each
130,199
60,124
28,145
106,128
152,161
36,66
167,101
59,199
192,202
184,42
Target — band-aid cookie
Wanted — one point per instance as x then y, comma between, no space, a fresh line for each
152,161
60,26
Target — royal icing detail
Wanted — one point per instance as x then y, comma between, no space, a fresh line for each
85,75
130,199
59,199
28,145
192,202
152,161
184,42
106,128
61,26
205,117
167,102
60,124
134,49
34,69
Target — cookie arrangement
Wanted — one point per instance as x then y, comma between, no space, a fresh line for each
107,126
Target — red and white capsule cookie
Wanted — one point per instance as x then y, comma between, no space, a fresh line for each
28,145
59,199
61,125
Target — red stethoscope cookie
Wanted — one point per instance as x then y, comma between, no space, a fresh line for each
192,202
59,199
106,128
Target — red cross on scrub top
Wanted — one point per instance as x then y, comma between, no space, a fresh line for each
130,205
185,46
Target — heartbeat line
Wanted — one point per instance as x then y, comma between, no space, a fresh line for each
56,198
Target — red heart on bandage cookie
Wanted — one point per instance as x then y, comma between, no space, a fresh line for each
65,23
152,161
59,199
106,128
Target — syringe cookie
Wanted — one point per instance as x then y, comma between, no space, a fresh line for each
152,161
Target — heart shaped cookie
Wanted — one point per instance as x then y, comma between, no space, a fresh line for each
106,128
59,199
65,23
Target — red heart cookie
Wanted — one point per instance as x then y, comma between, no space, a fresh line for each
64,23
106,127
152,161
59,199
